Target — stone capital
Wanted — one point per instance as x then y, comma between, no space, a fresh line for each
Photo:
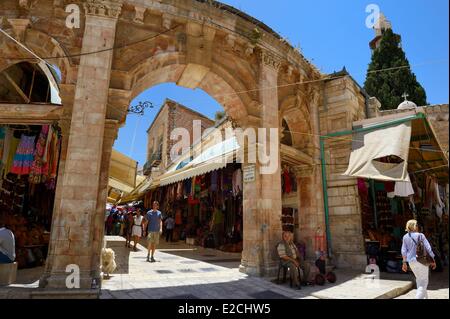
103,8
19,27
111,129
269,59
139,13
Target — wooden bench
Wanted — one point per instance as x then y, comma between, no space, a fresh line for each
8,273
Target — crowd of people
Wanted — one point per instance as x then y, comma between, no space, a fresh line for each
134,223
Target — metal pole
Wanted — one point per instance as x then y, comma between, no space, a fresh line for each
325,195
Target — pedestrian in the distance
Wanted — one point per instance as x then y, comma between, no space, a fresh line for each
409,252
138,222
170,225
154,230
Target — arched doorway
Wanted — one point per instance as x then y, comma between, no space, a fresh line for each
124,47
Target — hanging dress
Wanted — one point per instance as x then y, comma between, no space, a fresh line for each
14,142
53,160
23,159
39,168
3,130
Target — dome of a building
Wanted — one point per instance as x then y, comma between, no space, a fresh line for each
406,105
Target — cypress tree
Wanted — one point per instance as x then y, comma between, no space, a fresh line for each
389,86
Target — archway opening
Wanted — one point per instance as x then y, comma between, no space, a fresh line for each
29,83
206,214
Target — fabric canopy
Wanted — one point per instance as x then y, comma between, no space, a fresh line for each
189,173
214,158
369,147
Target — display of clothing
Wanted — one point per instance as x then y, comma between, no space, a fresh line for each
23,159
287,186
187,187
237,181
13,144
53,159
2,142
362,187
39,168
403,189
214,179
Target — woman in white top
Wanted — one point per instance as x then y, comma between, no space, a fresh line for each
137,227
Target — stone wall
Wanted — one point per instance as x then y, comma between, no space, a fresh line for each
343,103
438,117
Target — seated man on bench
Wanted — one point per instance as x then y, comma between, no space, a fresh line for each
290,257
7,246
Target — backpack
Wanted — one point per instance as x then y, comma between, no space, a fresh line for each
422,255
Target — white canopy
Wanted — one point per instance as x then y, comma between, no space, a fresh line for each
371,146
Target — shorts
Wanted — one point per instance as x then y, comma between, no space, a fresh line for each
153,238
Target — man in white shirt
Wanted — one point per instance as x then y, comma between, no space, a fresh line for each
7,246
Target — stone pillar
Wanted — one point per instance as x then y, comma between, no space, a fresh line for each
262,198
309,181
98,226
72,241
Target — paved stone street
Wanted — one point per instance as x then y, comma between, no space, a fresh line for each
187,272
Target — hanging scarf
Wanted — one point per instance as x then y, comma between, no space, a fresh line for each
39,168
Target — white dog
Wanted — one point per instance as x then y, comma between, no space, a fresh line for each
108,261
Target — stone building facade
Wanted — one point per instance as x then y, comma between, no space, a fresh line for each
172,115
124,47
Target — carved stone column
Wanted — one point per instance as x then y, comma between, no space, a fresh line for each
311,210
74,223
262,198
110,135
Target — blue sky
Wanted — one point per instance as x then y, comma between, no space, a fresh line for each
332,34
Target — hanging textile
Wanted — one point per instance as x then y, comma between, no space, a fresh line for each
429,192
287,182
23,159
6,148
2,142
187,187
39,168
214,177
403,189
370,148
237,181
11,152
53,159
362,187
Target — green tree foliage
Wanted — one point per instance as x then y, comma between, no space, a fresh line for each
389,86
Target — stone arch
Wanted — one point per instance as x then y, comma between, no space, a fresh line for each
217,82
239,54
298,119
43,45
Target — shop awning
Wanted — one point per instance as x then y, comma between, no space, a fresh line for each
369,149
191,172
407,137
119,185
214,158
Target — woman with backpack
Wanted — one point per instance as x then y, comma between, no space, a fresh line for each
417,252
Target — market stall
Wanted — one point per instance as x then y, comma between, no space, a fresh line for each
29,158
207,208
402,174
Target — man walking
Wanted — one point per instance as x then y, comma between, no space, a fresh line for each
154,230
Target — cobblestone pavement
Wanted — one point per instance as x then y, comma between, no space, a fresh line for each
186,272
438,287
